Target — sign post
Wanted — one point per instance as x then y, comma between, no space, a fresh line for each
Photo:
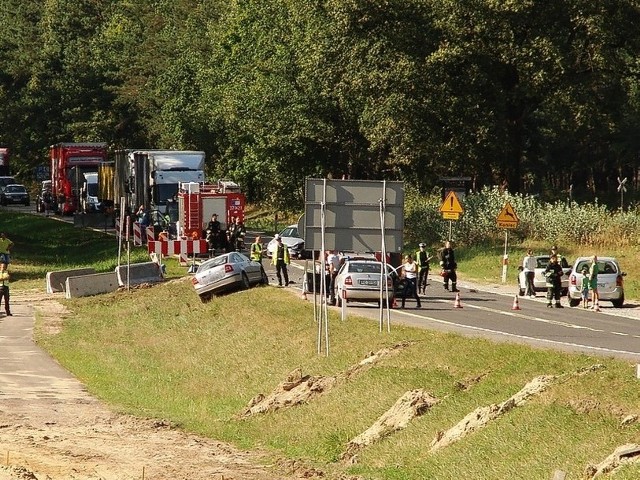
451,209
507,219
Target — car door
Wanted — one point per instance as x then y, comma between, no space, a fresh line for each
607,277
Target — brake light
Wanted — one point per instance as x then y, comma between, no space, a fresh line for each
228,268
573,280
194,281
619,281
348,281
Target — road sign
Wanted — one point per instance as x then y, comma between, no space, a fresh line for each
507,217
451,208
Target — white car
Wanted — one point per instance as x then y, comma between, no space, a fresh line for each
291,238
610,281
226,272
359,280
539,282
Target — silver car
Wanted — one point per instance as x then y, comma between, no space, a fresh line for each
227,272
539,282
291,238
610,281
359,280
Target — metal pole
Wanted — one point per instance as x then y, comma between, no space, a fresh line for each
505,258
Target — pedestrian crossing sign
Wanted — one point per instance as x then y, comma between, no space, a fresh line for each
507,217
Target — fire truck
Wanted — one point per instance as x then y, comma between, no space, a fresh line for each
69,163
198,202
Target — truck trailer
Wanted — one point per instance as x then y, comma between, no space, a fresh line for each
69,164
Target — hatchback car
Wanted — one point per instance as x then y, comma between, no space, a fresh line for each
227,272
359,280
610,281
14,194
291,238
539,282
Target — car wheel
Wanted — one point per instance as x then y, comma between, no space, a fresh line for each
618,303
573,302
264,278
26,204
245,281
206,297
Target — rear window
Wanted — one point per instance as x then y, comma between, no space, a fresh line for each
603,267
542,262
365,267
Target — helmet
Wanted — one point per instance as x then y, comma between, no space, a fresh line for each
277,237
422,244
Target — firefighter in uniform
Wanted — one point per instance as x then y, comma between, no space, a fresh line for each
553,276
256,250
422,259
281,259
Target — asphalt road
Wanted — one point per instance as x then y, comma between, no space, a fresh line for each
487,311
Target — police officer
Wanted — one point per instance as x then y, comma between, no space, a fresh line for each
422,260
449,266
5,250
280,259
256,250
4,291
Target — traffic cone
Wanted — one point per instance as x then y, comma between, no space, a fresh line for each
516,305
394,304
457,303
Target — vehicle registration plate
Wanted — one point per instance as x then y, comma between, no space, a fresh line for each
368,282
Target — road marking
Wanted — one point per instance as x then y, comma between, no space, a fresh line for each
524,337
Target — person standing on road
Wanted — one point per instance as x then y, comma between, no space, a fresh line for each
410,274
256,250
281,259
333,263
422,259
562,261
5,250
529,267
553,275
4,291
593,283
584,287
449,266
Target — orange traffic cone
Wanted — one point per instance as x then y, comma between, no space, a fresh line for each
516,305
457,303
394,304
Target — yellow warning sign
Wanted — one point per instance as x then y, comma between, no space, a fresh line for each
507,217
451,205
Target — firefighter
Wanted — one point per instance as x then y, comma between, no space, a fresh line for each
553,276
449,266
281,259
256,250
422,259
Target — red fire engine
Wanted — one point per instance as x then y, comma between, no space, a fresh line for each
69,163
197,202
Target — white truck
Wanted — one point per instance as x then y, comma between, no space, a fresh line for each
152,177
89,201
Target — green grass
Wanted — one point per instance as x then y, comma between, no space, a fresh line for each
160,352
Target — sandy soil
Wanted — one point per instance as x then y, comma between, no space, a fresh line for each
61,432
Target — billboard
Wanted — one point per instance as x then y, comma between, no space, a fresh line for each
353,217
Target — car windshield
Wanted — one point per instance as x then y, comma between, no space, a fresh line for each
364,267
605,267
289,232
15,189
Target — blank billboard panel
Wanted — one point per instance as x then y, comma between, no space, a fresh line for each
352,214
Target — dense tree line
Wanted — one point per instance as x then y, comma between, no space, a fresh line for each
533,95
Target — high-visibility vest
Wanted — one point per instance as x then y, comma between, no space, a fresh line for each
256,251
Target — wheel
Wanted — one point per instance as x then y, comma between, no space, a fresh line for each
264,279
245,281
618,303
26,204
206,297
573,302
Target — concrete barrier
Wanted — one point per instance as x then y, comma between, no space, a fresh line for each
148,272
87,285
56,281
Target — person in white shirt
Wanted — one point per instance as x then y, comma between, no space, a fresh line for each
529,266
410,274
